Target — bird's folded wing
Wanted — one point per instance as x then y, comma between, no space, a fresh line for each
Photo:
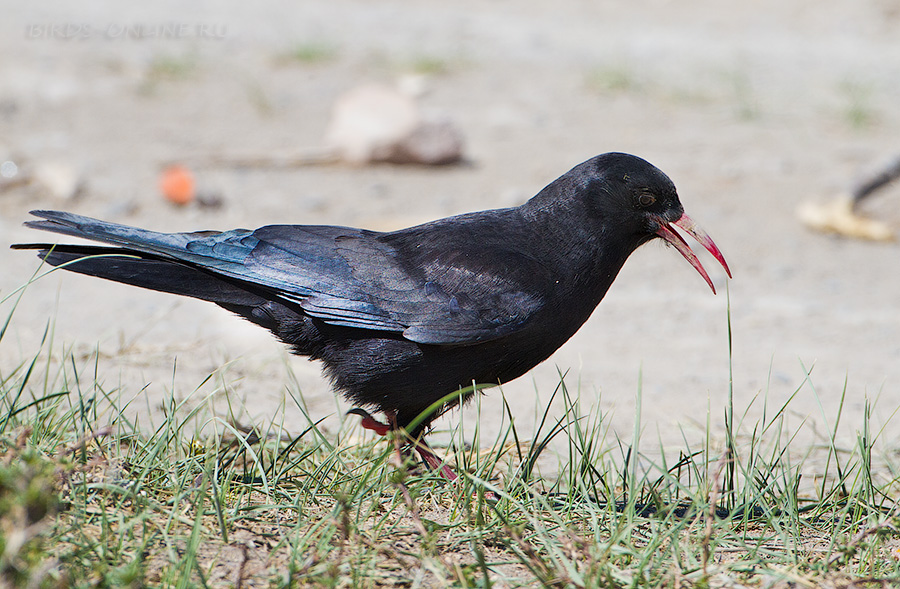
343,276
349,277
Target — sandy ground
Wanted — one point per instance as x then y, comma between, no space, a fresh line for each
750,108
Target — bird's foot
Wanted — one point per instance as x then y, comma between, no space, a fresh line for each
428,456
433,461
370,422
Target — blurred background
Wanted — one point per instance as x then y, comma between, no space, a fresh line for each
751,108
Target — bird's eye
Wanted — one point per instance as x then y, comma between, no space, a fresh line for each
645,200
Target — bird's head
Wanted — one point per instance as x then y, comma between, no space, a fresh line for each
641,199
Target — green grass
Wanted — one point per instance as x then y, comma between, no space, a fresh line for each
165,69
88,499
431,65
309,53
617,79
858,110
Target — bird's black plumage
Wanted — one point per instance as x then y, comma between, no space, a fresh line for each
401,319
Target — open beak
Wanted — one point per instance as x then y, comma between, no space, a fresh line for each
687,225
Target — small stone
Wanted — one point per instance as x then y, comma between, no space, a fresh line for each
368,122
839,217
434,143
377,123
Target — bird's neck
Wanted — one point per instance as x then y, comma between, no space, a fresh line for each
594,250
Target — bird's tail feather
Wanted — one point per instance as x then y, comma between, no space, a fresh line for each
146,271
134,238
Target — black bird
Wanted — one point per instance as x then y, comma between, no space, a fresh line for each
402,319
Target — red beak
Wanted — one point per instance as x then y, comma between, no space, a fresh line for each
687,225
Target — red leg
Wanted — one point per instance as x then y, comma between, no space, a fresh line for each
424,450
370,422
433,461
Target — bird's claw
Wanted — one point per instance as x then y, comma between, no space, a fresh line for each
424,450
370,422
432,460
